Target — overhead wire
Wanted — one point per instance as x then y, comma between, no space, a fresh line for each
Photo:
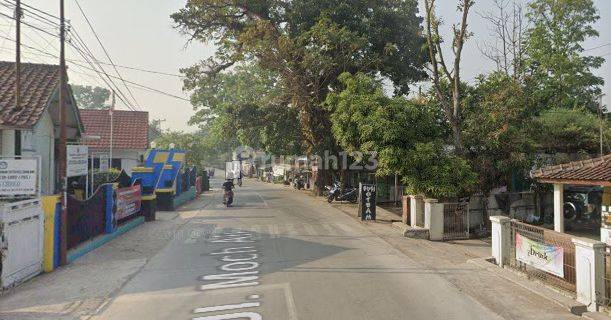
89,58
104,49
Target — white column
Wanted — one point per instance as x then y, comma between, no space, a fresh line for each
500,239
433,219
416,208
589,269
558,207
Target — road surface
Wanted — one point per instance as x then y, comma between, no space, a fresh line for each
281,254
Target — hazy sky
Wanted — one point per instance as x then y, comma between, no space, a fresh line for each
139,33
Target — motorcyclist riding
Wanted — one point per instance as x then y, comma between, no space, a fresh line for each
228,187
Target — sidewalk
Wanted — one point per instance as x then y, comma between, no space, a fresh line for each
79,289
460,263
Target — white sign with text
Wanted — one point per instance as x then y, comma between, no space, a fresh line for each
18,177
76,160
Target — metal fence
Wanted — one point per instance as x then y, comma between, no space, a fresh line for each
547,237
455,220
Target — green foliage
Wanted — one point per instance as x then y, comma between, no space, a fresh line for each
496,117
558,72
365,119
569,131
307,44
88,97
405,134
200,151
110,176
244,106
435,172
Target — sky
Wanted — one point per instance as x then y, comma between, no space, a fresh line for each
140,33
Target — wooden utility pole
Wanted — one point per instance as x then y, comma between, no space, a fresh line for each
18,55
62,136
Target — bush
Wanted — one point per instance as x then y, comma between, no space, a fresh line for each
435,172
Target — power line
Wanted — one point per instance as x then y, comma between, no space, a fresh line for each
75,62
598,47
104,48
30,25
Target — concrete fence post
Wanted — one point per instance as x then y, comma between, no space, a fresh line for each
589,270
416,210
433,219
501,239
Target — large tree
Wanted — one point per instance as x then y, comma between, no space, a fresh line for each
88,97
446,76
309,44
559,72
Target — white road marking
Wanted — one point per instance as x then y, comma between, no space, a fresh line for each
227,307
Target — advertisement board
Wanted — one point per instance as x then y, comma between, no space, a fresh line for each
232,170
542,256
367,201
128,202
104,163
76,160
18,177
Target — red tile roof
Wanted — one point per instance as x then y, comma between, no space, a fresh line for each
38,85
130,129
595,171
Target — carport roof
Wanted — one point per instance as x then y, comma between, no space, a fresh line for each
596,171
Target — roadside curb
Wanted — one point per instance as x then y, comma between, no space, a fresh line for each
103,239
595,316
558,298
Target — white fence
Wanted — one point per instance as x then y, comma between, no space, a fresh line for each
21,225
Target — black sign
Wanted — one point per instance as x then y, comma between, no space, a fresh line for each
367,201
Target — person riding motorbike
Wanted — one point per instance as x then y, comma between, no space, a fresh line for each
228,187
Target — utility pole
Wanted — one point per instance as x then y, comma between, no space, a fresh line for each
62,135
112,110
18,55
601,115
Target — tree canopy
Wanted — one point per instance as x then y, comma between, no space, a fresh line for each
88,97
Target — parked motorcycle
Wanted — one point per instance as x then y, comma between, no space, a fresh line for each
336,193
298,183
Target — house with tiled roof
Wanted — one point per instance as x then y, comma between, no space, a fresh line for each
130,137
32,129
593,174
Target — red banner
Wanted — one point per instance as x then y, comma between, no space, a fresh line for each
128,202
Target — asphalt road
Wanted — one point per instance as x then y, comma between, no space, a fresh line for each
281,254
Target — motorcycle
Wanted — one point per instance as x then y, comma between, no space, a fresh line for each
298,183
336,193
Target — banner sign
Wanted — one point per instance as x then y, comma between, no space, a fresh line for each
18,177
76,160
128,202
542,256
104,163
367,201
232,170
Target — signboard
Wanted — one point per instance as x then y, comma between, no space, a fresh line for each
278,170
104,163
539,255
232,170
367,201
128,202
18,177
76,160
